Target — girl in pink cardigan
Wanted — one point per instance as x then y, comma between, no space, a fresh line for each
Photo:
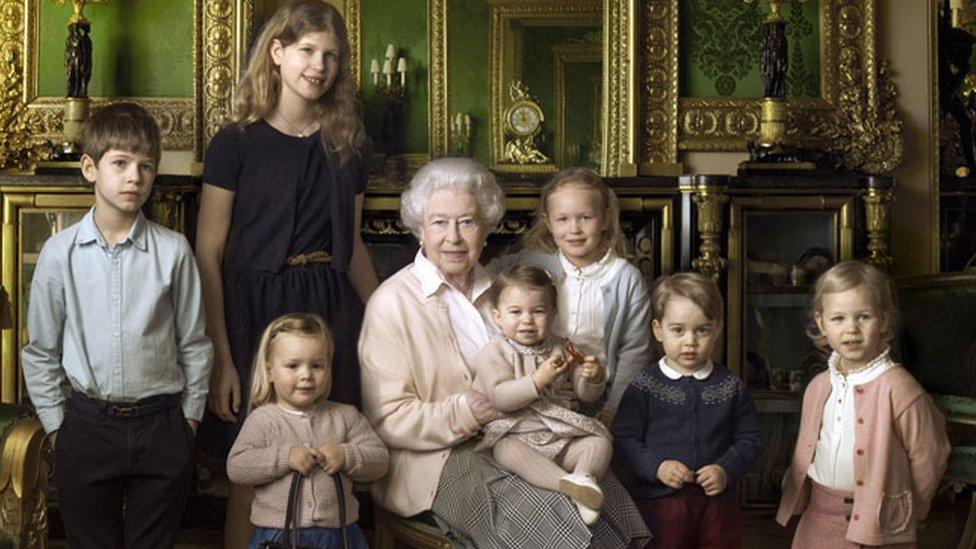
872,445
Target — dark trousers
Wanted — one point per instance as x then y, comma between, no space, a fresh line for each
689,519
123,481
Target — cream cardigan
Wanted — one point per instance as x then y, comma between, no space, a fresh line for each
413,379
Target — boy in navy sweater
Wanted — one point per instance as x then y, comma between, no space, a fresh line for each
686,427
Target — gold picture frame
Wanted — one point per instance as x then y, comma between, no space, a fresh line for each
619,121
45,115
855,117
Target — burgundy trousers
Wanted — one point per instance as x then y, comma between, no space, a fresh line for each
690,519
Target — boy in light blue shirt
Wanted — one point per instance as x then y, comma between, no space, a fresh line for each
116,313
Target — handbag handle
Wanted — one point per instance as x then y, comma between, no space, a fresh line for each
291,537
342,508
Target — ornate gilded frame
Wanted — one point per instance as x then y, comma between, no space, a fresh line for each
619,155
855,116
45,115
222,54
566,54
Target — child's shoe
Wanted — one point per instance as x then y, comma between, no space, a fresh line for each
589,516
583,490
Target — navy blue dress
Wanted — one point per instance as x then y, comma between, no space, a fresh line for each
291,197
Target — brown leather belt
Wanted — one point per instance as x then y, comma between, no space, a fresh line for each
310,257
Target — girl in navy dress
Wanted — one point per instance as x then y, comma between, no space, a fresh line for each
280,215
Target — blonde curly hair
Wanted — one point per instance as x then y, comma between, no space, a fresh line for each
259,88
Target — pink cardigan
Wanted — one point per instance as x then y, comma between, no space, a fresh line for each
901,450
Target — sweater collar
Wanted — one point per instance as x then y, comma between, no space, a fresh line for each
868,372
671,373
593,270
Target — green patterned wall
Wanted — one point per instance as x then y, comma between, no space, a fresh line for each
719,47
140,48
404,24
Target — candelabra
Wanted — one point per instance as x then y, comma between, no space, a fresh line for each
394,93
461,132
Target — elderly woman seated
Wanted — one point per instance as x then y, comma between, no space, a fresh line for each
423,329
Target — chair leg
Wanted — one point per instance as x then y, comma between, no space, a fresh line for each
968,540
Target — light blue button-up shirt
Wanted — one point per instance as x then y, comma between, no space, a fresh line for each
119,323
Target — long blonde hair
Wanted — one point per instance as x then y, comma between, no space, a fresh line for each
257,94
305,324
539,236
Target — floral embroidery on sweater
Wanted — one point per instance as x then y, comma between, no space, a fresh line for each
726,390
671,395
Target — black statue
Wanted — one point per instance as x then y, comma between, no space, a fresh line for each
955,50
773,60
78,59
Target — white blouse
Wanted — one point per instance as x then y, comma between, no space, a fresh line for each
580,317
833,462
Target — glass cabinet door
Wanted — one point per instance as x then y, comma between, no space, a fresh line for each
29,220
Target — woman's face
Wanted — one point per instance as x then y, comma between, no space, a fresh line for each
452,234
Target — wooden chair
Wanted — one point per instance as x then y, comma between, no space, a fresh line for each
395,532
24,469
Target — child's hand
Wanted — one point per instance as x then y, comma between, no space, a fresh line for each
712,479
552,368
333,458
591,369
304,460
674,474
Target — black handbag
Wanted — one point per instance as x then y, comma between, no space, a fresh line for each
290,536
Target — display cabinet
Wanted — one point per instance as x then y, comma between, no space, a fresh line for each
766,238
36,207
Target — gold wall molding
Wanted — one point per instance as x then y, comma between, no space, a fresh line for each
619,93
176,116
659,84
438,120
855,116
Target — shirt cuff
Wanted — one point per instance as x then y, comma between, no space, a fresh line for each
193,406
51,418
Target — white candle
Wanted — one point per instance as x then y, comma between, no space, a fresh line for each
402,69
388,67
457,122
374,68
390,51
467,122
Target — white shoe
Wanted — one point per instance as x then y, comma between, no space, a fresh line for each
583,490
589,516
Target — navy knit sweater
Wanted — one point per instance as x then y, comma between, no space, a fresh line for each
696,422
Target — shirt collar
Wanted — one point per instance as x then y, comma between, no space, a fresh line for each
431,278
864,374
671,373
593,270
88,232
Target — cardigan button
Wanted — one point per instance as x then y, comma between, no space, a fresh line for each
860,483
859,390
857,517
860,420
860,452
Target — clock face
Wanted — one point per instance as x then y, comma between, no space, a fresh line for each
524,119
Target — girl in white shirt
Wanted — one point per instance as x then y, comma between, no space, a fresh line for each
603,307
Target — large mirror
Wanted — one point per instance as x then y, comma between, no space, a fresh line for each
551,99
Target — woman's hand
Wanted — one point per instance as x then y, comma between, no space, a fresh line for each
225,390
553,367
333,458
481,408
304,460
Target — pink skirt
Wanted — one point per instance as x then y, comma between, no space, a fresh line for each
825,520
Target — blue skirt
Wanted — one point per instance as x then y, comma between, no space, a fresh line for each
312,536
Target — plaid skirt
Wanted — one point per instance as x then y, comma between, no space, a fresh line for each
480,504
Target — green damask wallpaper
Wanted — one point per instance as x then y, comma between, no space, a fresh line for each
140,48
719,47
404,24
